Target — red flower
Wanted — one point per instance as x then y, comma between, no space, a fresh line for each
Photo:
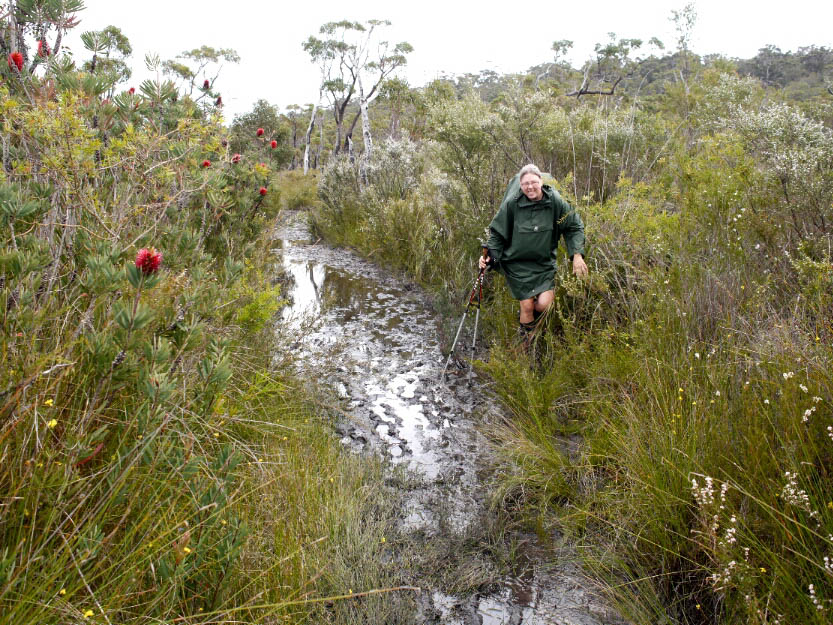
206,163
259,132
132,90
218,101
206,84
148,260
274,144
235,158
263,190
15,60
43,48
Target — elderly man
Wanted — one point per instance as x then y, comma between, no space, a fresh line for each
524,240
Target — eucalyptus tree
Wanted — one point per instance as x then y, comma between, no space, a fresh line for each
611,65
198,70
110,48
353,62
684,22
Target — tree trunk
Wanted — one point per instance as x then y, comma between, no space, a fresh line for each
368,140
320,141
308,137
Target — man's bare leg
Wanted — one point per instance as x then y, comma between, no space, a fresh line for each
538,304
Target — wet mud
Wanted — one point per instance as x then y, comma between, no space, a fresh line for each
373,338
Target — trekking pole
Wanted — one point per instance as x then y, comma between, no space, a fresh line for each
477,289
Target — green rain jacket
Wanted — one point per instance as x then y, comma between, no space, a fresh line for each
524,238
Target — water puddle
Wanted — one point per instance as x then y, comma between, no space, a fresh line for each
375,336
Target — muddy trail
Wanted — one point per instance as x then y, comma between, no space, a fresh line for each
375,339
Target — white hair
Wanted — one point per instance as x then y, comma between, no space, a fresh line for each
530,169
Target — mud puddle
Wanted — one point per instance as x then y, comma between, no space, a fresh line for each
374,336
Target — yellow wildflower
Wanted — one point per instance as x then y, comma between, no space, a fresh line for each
88,613
52,423
48,402
383,540
186,549
763,569
63,591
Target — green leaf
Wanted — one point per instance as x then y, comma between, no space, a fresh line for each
122,317
134,275
143,316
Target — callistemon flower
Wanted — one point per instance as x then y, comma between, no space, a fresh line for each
132,90
148,260
235,158
259,132
16,60
274,144
43,48
218,101
263,190
206,84
206,163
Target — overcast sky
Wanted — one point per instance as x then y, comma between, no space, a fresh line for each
448,37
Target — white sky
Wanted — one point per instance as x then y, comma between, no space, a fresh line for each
448,37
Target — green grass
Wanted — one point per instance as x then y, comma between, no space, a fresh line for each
697,352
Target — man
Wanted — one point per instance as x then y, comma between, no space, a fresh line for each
524,239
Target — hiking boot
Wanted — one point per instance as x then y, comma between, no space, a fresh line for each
526,334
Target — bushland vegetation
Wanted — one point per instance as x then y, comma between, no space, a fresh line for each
694,362
159,462
146,409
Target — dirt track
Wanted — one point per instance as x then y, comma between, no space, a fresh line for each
375,335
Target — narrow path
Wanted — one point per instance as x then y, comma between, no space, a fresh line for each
376,337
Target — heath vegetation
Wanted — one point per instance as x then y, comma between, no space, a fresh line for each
146,404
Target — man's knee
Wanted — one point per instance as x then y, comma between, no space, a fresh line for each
544,301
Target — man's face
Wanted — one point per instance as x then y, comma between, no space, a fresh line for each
531,186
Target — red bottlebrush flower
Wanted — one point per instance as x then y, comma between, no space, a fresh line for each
235,158
43,48
259,132
218,101
206,163
148,260
132,90
274,144
206,84
263,190
15,60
